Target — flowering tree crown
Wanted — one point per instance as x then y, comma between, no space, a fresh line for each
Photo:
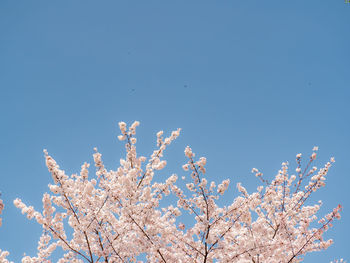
116,215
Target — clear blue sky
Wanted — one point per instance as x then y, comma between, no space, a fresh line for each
251,83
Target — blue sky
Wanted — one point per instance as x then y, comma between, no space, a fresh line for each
251,84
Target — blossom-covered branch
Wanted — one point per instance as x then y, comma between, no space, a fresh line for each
118,216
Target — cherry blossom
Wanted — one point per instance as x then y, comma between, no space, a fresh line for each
119,215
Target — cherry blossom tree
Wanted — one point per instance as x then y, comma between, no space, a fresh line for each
119,216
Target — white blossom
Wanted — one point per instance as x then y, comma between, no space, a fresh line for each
119,216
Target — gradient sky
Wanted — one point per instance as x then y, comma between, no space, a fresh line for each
251,84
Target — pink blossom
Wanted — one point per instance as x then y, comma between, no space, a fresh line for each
120,215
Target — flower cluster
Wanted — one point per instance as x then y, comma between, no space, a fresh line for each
116,216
